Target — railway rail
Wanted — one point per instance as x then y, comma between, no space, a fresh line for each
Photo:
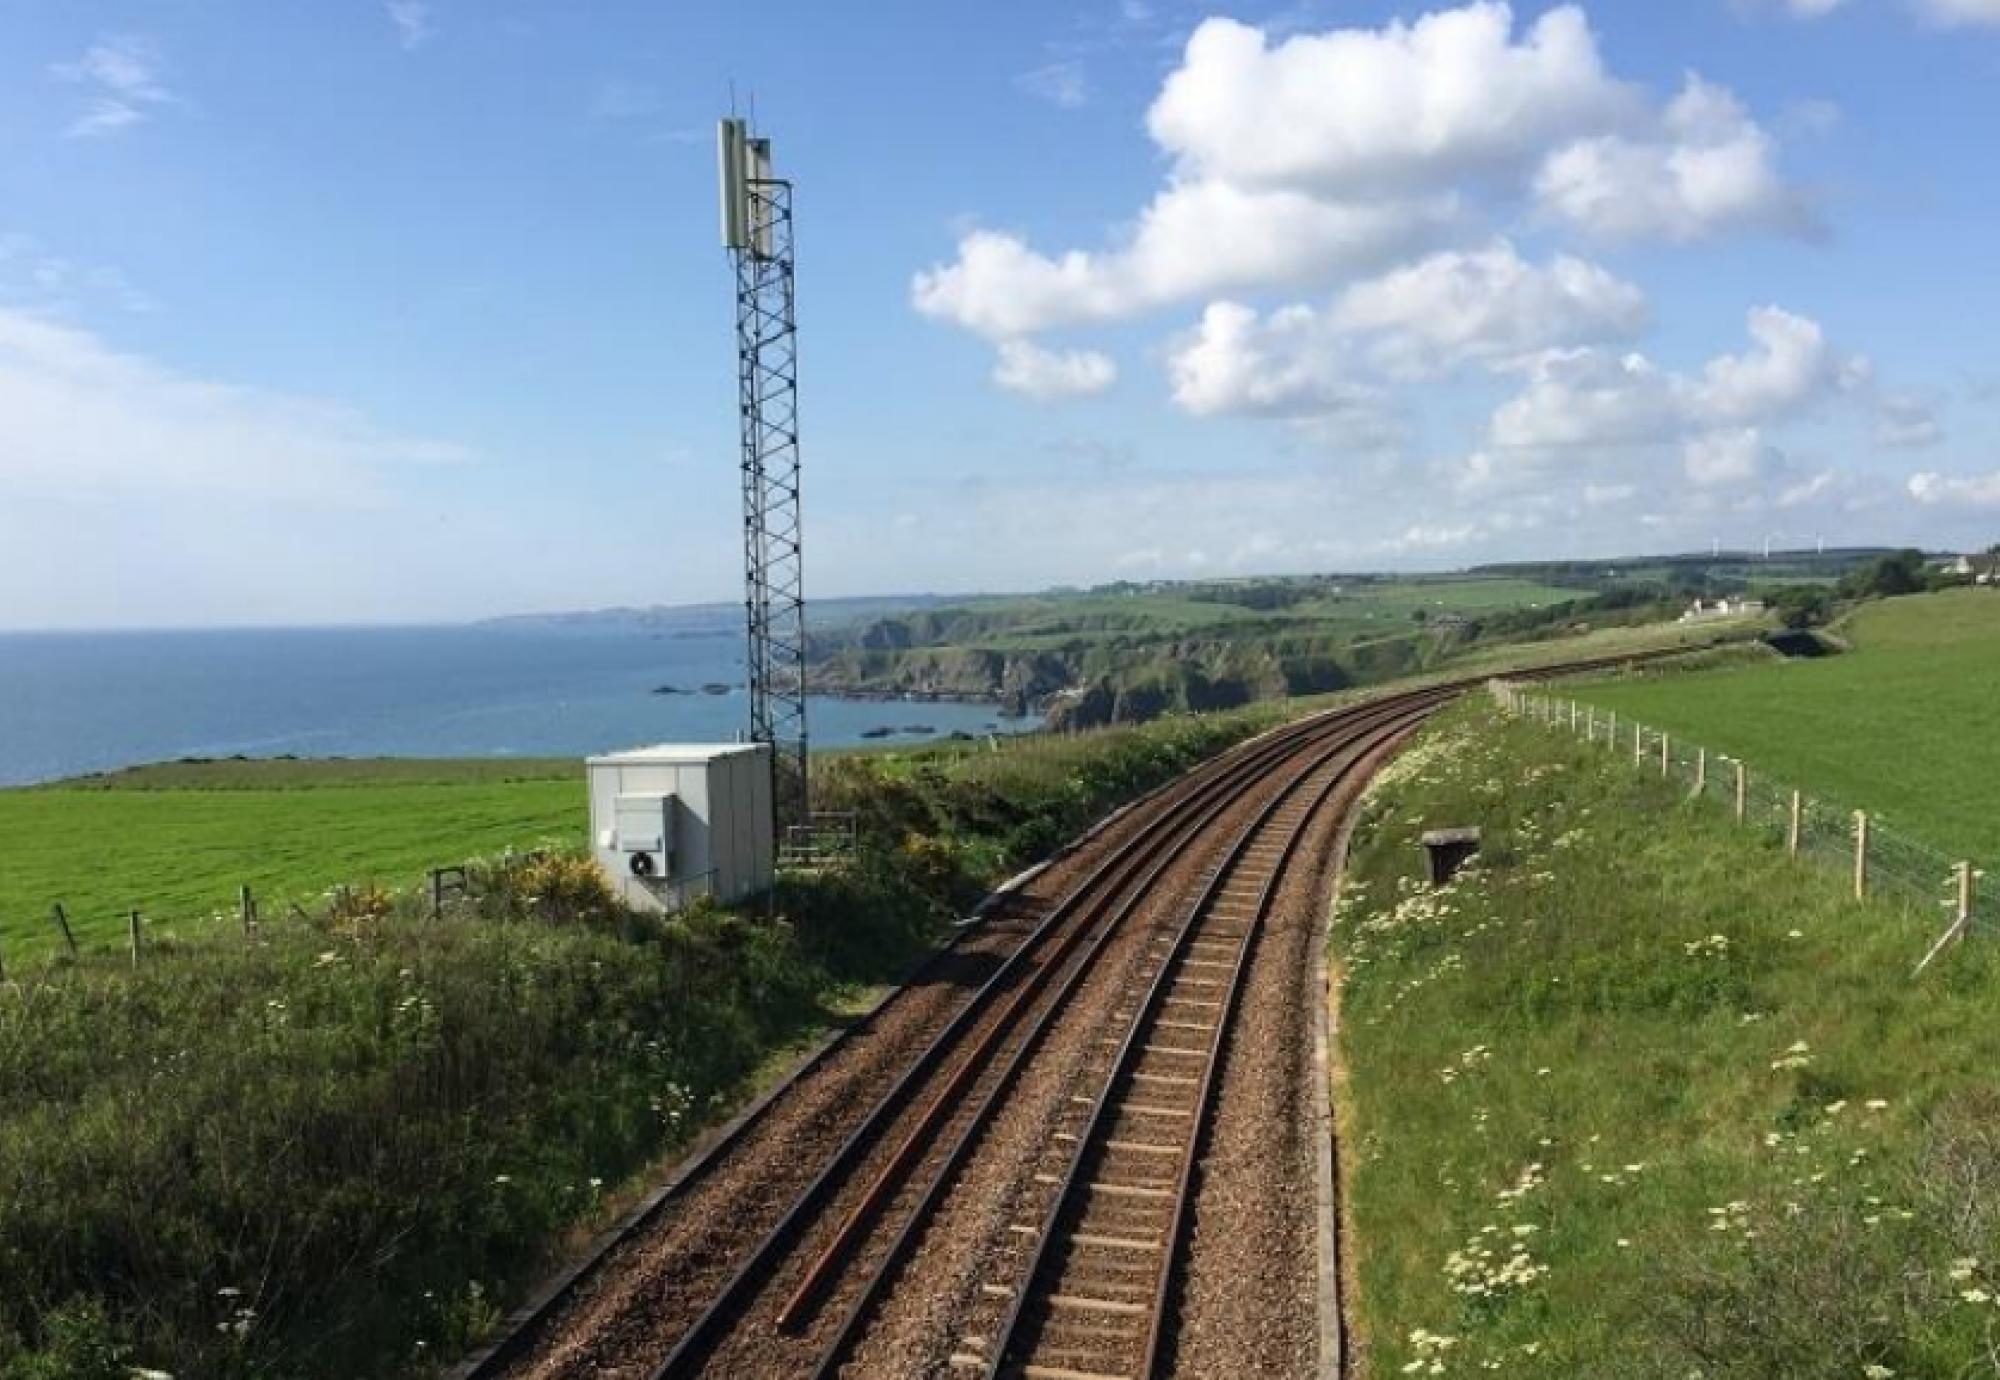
1101,1017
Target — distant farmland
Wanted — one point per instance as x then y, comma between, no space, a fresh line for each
176,841
1907,725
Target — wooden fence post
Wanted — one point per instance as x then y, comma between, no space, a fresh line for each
1964,897
62,923
437,892
1701,771
135,938
1638,745
1798,822
246,907
1666,754
1572,716
1742,791
3,967
1591,732
1860,855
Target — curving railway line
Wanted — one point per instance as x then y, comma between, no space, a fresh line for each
1001,1172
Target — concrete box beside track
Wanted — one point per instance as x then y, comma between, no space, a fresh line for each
678,821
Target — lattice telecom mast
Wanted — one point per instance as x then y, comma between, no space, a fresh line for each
757,231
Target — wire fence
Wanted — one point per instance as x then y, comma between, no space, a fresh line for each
1883,862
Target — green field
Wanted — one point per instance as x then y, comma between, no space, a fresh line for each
1907,725
1641,1097
175,841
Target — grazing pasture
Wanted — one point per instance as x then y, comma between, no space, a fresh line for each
1906,725
175,841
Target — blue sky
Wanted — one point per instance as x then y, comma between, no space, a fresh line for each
364,311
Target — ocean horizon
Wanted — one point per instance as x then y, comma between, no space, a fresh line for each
76,703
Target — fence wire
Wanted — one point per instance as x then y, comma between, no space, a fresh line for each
1887,863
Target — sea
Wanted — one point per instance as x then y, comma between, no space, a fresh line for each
76,703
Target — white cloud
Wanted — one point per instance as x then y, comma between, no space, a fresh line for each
121,76
1489,306
1963,491
1060,83
1290,364
1195,238
1905,423
1956,12
1730,458
1709,167
1408,104
1589,397
1813,9
414,21
1024,367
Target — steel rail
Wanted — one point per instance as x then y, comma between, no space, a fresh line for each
1355,722
1177,822
1359,749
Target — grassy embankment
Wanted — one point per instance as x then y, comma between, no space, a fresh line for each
1640,1097
341,1149
1906,726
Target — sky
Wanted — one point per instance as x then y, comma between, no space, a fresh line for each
357,311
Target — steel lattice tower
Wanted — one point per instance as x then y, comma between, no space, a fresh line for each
760,241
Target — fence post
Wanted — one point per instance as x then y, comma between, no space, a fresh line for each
437,892
1666,757
1611,731
1860,855
1638,745
1591,732
1798,821
1741,790
1572,716
62,923
135,938
1701,771
3,967
1959,923
246,907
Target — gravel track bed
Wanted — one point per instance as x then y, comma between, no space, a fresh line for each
756,1349
938,1303
624,1313
1249,1292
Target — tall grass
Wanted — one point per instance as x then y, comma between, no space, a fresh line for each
1638,1096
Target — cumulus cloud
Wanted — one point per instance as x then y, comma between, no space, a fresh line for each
1730,457
1590,397
1489,306
1194,239
120,74
1320,158
1024,367
1409,104
1708,167
1291,363
1964,491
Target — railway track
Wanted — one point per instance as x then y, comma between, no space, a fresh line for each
1014,1170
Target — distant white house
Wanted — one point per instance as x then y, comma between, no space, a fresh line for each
1702,610
1984,570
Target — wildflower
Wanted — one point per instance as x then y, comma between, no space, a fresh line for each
1876,1372
1975,1296
503,1179
1962,1268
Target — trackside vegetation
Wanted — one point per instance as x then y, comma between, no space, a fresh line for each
344,1147
1637,1096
